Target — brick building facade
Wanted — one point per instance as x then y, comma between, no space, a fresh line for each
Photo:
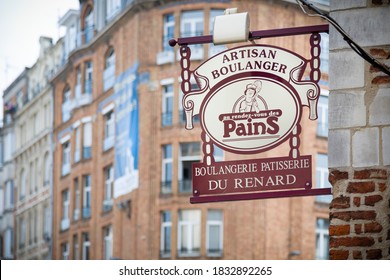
95,220
121,190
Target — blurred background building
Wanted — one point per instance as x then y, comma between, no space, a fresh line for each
96,162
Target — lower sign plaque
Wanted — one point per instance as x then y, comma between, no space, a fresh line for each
253,179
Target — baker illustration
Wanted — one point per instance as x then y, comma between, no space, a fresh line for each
251,98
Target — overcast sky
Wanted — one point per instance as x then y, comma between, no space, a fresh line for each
22,22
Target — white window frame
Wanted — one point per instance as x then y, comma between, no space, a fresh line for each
167,101
65,251
219,224
322,234
107,242
77,195
191,158
9,195
188,18
46,169
323,109
87,194
8,243
193,230
22,232
168,25
77,145
113,7
165,162
23,182
75,247
87,140
65,222
109,183
65,158
165,252
109,130
322,174
86,246
88,78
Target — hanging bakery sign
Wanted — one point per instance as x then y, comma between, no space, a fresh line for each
250,100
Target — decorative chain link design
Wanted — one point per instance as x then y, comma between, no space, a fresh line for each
185,54
315,72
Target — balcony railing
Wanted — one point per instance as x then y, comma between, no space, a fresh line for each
86,212
65,169
67,108
185,186
76,215
88,34
166,119
182,115
164,57
108,143
87,152
107,205
65,223
166,187
108,77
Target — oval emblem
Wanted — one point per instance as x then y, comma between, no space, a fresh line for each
250,114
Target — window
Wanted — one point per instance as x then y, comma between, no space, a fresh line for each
113,7
214,233
46,170
32,179
76,211
324,55
9,146
2,206
9,195
23,182
9,243
169,31
107,243
189,154
86,196
65,251
322,122
189,233
322,239
218,153
87,140
192,25
166,233
166,182
109,70
78,83
35,225
88,25
46,223
22,232
213,49
66,104
30,227
109,130
88,78
322,174
75,247
108,188
86,246
65,210
65,158
77,145
167,105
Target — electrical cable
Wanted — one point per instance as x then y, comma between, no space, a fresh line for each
354,46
